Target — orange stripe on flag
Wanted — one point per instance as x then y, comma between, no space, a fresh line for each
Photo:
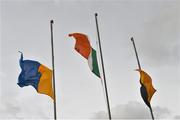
82,44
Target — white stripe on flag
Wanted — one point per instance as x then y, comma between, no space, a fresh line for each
90,61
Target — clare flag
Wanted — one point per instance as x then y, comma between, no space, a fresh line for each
84,48
147,89
35,74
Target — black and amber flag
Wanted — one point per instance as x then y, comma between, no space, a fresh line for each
147,89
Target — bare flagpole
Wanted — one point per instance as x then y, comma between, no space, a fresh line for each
53,69
101,56
139,65
132,39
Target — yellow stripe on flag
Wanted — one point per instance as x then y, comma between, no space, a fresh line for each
146,81
45,82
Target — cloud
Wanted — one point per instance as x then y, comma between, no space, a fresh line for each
9,106
160,37
177,117
13,109
134,110
8,110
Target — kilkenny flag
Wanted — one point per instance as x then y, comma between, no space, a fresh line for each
84,48
37,75
147,89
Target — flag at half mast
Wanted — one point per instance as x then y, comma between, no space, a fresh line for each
84,48
37,75
147,89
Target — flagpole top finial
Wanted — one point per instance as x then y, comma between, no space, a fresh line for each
96,14
51,21
70,35
20,52
132,39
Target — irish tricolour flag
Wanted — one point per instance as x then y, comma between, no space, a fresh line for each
84,48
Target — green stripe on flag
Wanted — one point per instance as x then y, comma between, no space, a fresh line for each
95,69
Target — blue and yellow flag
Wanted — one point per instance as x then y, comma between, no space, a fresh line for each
35,74
147,89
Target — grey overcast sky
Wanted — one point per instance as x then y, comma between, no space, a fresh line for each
155,26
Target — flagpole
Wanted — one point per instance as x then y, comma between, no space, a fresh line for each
151,113
101,56
132,39
53,69
139,65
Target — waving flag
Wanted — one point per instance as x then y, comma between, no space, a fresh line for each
35,74
84,48
147,89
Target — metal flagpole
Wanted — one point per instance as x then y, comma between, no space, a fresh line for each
52,48
101,56
151,112
139,65
136,53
